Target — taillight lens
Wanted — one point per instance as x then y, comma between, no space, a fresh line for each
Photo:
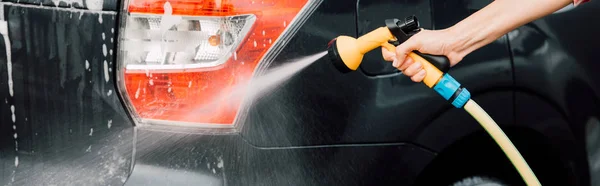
189,61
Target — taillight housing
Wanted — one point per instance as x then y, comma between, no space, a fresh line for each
189,62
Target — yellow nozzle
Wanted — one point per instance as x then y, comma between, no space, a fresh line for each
347,52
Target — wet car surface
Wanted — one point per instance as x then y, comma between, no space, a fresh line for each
66,118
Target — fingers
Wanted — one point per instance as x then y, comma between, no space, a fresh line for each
404,49
388,55
419,76
409,61
412,69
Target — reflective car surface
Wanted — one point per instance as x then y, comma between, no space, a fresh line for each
154,92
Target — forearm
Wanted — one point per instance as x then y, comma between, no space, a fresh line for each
497,19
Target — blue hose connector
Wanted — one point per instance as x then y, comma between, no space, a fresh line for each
452,91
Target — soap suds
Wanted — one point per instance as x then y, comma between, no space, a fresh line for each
12,110
4,32
106,75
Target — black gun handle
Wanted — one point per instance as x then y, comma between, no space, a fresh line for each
439,61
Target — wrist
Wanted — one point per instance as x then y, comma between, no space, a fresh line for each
471,34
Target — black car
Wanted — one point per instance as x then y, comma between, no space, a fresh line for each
157,92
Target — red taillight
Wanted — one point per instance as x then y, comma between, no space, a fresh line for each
189,61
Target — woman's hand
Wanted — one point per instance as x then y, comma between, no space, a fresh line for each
435,42
472,33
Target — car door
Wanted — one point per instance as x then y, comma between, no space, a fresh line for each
409,108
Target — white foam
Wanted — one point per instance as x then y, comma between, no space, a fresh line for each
4,32
94,4
106,75
12,110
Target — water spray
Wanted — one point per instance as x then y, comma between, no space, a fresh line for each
347,53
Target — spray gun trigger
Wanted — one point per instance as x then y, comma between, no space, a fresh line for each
394,42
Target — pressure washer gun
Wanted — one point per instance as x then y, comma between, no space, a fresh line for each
347,53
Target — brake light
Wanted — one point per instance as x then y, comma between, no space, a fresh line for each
190,61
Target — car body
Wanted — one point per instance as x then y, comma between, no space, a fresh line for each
65,119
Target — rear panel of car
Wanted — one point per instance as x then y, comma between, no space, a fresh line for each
61,122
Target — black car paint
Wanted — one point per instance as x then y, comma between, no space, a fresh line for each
318,128
70,127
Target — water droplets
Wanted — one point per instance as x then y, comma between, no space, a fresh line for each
263,32
112,30
284,23
106,75
91,131
16,161
137,92
100,18
12,110
109,93
87,64
220,164
110,52
104,50
190,84
109,123
255,43
234,55
270,41
89,149
103,36
15,136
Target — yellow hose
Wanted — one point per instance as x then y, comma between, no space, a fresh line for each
505,144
